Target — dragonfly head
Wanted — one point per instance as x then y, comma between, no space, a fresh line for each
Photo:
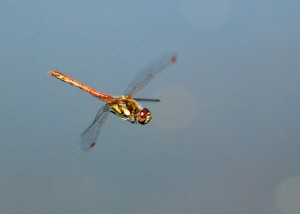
144,116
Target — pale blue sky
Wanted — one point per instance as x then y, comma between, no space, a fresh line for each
224,139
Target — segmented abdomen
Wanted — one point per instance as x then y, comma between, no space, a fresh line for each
104,97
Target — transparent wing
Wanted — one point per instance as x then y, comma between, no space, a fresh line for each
89,136
148,73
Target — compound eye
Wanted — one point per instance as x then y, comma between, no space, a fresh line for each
144,116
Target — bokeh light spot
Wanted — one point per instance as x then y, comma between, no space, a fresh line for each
287,195
177,107
205,14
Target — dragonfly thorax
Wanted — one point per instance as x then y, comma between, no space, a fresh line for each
127,108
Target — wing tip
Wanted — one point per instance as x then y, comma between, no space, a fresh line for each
173,58
86,147
92,145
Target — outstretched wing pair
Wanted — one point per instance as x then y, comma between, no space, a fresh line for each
90,135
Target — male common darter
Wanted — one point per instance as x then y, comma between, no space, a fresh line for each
125,106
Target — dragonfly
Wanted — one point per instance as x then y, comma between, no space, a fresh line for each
125,106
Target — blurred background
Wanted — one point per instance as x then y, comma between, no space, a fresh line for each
224,138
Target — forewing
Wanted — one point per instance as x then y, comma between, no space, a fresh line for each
148,73
89,136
